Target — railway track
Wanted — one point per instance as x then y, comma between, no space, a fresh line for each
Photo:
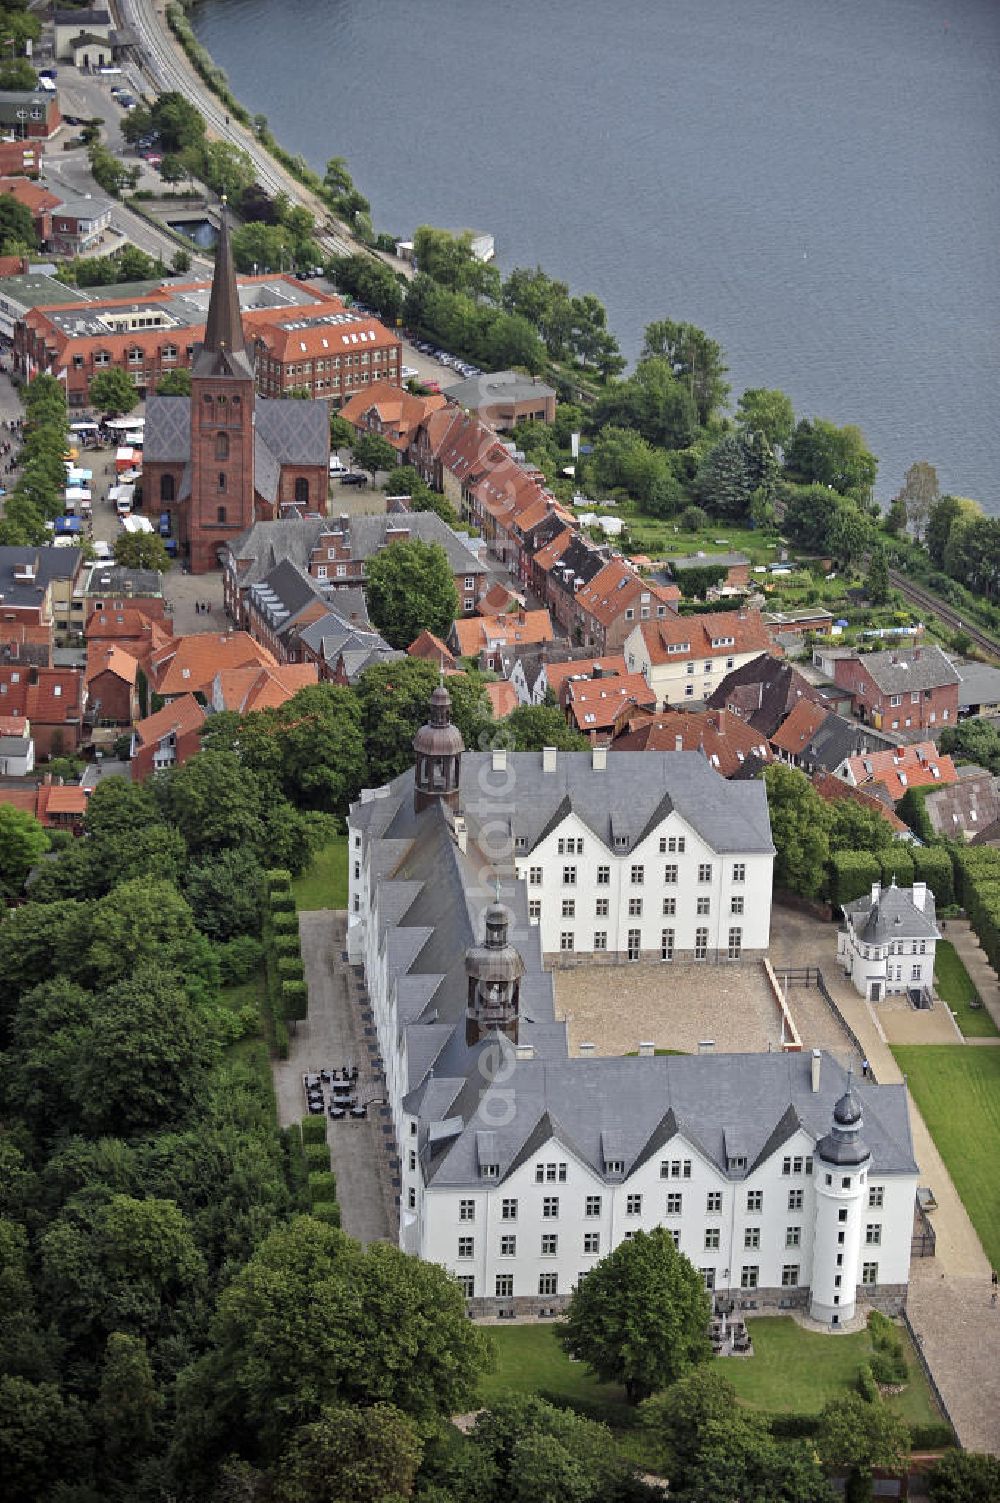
917,595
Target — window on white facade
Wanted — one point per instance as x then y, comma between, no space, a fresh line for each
713,1204
739,871
873,1234
550,1245
633,1205
704,907
751,1236
601,907
508,1246
468,1285
504,1286
548,1283
876,1195
712,1235
508,1210
592,1205
674,1202
635,908
667,944
535,908
708,1274
466,1247
551,1173
411,1199
669,907
638,875
915,971
670,873
466,1210
736,906
705,871
535,876
749,1276
550,1206
755,1200
634,944
591,1242
569,876
603,876
790,1275
569,908
735,947
869,1274
793,1236
701,944
600,939
566,940
795,1200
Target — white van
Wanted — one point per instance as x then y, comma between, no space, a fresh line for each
337,465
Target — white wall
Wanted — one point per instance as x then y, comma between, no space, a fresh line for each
671,681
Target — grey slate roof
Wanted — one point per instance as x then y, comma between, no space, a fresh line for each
980,685
167,432
900,669
699,560
265,543
368,534
14,746
48,564
893,916
295,432
335,638
967,806
838,738
283,594
285,432
496,389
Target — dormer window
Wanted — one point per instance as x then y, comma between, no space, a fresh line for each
615,1166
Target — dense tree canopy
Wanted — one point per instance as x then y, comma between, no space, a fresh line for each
410,589
800,823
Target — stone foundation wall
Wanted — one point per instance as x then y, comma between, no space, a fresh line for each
567,960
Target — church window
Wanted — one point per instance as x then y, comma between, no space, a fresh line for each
220,514
222,446
302,491
166,487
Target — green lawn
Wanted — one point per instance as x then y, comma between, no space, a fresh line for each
323,884
792,1370
957,1089
954,984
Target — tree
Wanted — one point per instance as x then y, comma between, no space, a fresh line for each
820,453
42,1436
142,550
177,122
321,747
530,727
877,578
919,493
394,700
175,383
965,1477
856,1437
112,391
856,828
224,894
142,921
655,402
23,841
693,519
16,225
769,413
411,588
974,740
800,822
214,802
896,518
677,1419
695,583
372,452
695,358
640,1317
342,433
18,74
726,478
537,1453
127,1404
350,1456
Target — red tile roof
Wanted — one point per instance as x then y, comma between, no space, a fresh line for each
47,696
503,698
715,634
13,725
830,789
723,738
36,199
181,715
188,665
104,657
399,413
432,650
252,688
902,768
473,633
617,587
595,704
800,727
556,674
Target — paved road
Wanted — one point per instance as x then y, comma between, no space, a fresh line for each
330,1036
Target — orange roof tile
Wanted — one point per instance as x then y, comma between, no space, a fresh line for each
800,727
36,199
431,649
473,633
399,412
903,767
556,674
616,587
71,799
503,698
831,788
253,688
715,634
105,657
596,703
286,339
181,715
13,725
25,797
187,665
55,697
723,738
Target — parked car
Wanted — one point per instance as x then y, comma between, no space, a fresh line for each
351,477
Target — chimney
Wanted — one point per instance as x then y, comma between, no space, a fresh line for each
646,1049
548,759
599,758
919,895
499,759
524,1051
814,1066
876,891
678,742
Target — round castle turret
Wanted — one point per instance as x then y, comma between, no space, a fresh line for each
438,746
841,1176
494,970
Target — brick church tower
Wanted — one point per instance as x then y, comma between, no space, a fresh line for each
222,422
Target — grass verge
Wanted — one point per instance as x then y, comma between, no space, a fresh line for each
323,884
958,1092
954,984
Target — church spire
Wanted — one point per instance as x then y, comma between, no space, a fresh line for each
223,351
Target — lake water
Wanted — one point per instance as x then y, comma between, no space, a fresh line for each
815,184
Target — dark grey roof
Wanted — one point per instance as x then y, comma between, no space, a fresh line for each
295,432
81,18
347,602
14,746
497,389
368,536
838,738
980,685
262,545
899,669
893,916
967,806
114,579
266,470
283,594
47,563
336,639
167,434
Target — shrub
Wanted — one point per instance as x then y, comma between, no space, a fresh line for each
284,923
313,1130
895,863
317,1155
852,874
932,864
322,1186
934,1435
889,1367
867,1384
280,1038
328,1211
294,1000
286,946
278,879
290,968
793,1426
239,958
282,902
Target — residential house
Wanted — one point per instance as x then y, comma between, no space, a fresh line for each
876,800
687,658
961,810
888,941
26,644
979,690
52,700
600,707
17,750
562,567
505,398
762,691
503,698
903,767
129,627
484,636
279,607
727,743
901,690
818,739
39,587
518,1201
168,738
110,677
610,603
67,25
188,665
431,649
390,411
579,665
343,546
79,223
497,598
111,588
20,158
341,650
259,688
807,618
37,200
331,352
29,114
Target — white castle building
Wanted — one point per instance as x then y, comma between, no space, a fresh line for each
889,939
783,1181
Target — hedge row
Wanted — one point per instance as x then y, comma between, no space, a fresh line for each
978,875
852,873
286,993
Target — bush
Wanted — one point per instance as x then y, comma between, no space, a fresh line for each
280,1038
317,1155
932,864
286,946
294,1000
284,923
290,968
327,1211
278,879
934,1435
313,1130
889,1367
793,1426
896,863
868,1384
322,1186
282,902
239,958
852,874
